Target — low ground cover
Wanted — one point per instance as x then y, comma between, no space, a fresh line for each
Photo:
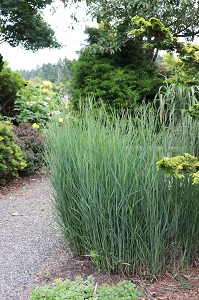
86,289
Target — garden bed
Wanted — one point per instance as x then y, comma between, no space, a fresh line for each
40,256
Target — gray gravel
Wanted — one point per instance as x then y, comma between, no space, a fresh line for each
31,249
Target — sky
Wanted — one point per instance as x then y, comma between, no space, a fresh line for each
73,40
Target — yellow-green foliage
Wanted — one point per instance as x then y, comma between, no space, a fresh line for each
11,156
194,111
158,36
195,177
171,65
176,165
190,52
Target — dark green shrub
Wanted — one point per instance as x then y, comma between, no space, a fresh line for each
119,87
11,156
85,289
11,83
1,62
122,79
31,141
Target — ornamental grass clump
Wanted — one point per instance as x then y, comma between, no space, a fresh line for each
110,201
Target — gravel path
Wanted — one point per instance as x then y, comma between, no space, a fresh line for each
31,248
32,251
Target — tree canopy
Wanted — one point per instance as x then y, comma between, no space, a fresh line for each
22,23
56,73
181,16
130,75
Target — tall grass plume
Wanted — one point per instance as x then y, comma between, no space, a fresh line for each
110,201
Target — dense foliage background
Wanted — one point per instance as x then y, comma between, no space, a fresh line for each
104,124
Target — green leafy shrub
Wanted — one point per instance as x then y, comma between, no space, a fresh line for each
32,143
38,102
85,289
11,156
11,82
